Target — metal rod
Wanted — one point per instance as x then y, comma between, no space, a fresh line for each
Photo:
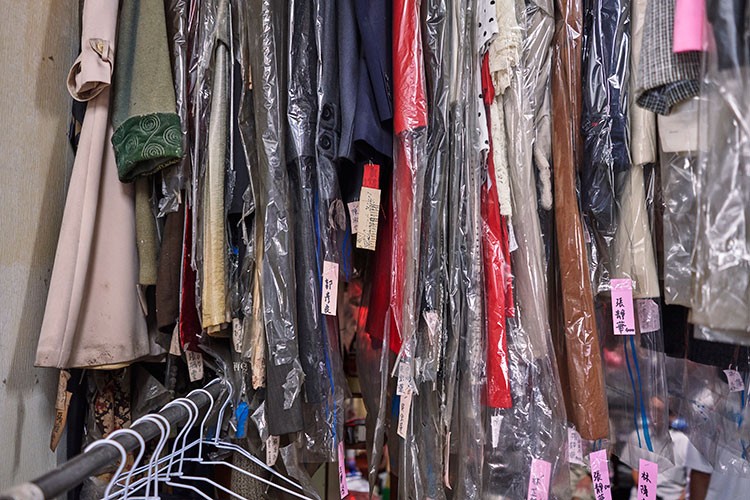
76,470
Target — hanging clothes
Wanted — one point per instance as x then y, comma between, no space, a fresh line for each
278,282
664,78
147,135
584,363
94,317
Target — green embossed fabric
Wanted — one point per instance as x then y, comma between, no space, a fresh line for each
145,144
147,133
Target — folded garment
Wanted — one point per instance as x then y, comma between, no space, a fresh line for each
664,78
147,134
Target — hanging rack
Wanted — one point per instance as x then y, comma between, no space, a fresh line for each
72,473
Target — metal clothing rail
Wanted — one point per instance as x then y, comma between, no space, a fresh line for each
76,470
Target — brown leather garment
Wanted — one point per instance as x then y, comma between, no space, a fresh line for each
586,379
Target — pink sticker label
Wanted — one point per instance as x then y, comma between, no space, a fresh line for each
541,470
600,475
343,487
623,318
647,472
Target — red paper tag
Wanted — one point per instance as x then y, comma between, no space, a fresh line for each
371,177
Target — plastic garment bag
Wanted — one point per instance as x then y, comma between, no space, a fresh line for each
278,283
606,155
302,114
721,257
425,445
586,379
535,427
174,179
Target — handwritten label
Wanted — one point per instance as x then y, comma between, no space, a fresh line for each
600,475
237,334
343,487
404,374
623,319
354,215
403,412
736,384
648,315
495,421
62,403
539,478
647,475
367,222
272,450
371,176
575,447
512,243
195,365
174,345
330,293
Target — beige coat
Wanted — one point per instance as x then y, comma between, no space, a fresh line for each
94,316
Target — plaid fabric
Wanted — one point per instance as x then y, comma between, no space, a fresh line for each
664,78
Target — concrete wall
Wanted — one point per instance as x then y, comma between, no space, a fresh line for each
38,43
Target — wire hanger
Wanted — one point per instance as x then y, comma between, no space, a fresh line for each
116,478
120,468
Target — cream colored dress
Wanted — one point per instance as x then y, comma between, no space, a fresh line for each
94,316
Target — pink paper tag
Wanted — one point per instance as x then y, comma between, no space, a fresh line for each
689,25
600,475
647,472
541,470
623,318
343,487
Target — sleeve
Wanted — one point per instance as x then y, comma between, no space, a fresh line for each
92,70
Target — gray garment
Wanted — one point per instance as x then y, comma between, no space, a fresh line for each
284,370
664,78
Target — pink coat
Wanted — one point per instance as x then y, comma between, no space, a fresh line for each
94,316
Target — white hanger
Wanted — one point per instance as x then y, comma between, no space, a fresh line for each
218,443
153,466
136,462
120,468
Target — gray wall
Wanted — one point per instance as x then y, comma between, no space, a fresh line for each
38,43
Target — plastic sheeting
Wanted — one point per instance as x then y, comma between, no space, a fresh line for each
584,365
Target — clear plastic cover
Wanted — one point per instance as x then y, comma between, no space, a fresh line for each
273,204
721,257
586,395
535,426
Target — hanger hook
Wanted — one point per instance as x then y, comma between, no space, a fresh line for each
192,417
120,468
223,409
137,461
211,404
153,466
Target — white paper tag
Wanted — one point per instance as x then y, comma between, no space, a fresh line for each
512,243
495,421
367,219
330,293
648,315
404,374
354,215
195,365
736,384
678,131
237,334
446,460
343,486
272,450
403,412
174,346
575,447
